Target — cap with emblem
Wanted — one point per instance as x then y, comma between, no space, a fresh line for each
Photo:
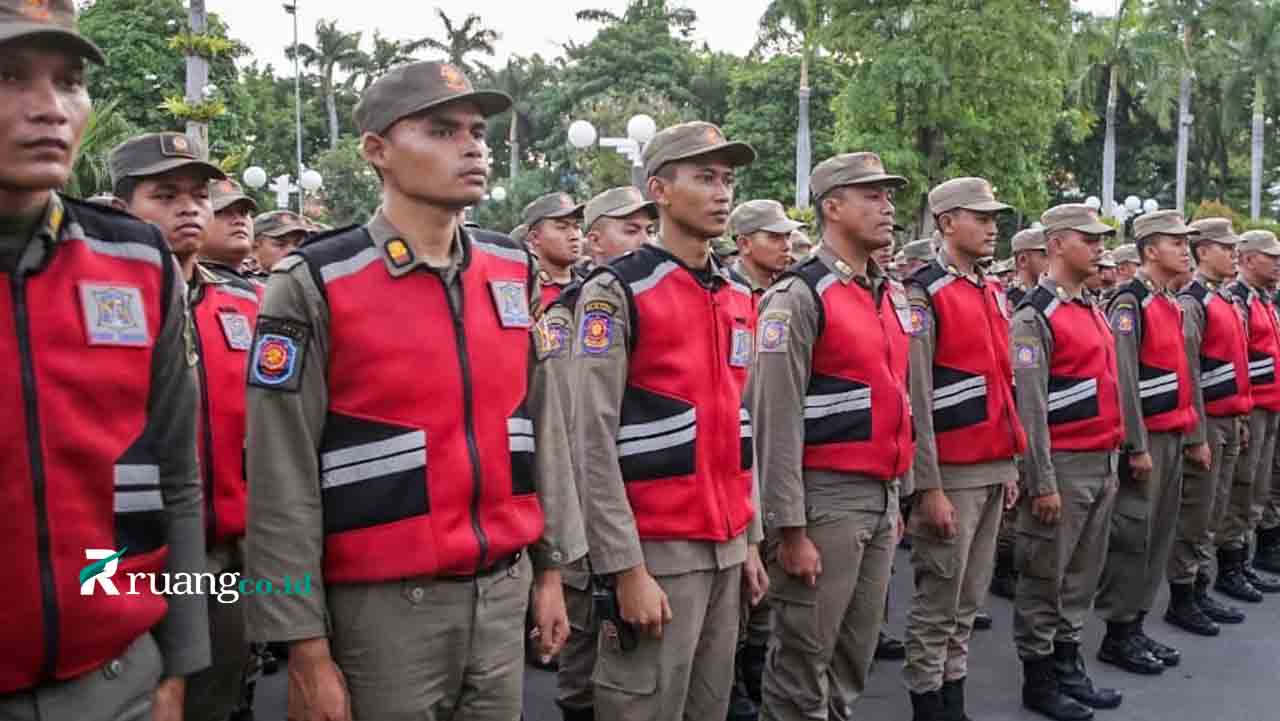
280,222
766,215
692,140
416,87
1217,230
1259,241
46,19
918,250
1028,239
226,193
850,169
1107,260
519,232
1126,253
1161,222
618,203
1074,216
968,193
551,205
157,153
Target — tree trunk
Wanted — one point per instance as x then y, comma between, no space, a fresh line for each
331,104
1184,131
803,151
1109,143
513,143
197,77
1255,155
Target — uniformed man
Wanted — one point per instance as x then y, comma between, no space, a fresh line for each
762,232
917,254
420,507
98,474
1259,270
230,239
617,222
1068,399
1031,260
663,342
830,470
276,233
1004,272
1217,353
1107,274
1156,391
1267,553
801,246
1127,262
554,236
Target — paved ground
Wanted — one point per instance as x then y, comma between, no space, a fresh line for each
1234,677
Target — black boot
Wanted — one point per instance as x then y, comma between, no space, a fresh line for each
587,713
751,661
1074,681
889,648
927,706
1219,612
953,701
1231,580
1040,692
1004,582
1168,655
1186,614
1123,647
741,707
1262,582
1267,557
982,621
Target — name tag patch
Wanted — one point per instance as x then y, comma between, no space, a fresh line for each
740,354
114,315
235,328
511,298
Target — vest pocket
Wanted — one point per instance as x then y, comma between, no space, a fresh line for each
656,436
523,447
1072,399
836,410
1217,378
1158,389
745,437
138,503
371,473
959,399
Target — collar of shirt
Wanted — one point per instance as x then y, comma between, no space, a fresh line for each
844,272
1061,294
740,268
1253,291
1152,286
383,233
46,234
944,260
715,267
1219,287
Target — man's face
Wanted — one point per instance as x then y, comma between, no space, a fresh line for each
438,157
612,237
1033,263
1169,253
178,203
699,194
269,250
1094,281
1260,268
1079,252
230,238
1108,276
863,212
1125,272
1217,261
770,251
44,107
971,232
557,241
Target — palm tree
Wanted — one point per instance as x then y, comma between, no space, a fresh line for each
804,18
386,54
1184,16
334,49
1256,57
107,127
522,79
466,39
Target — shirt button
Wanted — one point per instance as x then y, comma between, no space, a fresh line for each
417,593
114,668
557,556
771,516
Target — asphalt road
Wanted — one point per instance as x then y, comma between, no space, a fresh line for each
1233,677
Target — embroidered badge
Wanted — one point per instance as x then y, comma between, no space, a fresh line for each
511,298
740,353
595,337
398,253
1025,355
919,316
113,315
551,337
235,328
278,353
1124,321
774,332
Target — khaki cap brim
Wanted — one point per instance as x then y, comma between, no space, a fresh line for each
737,152
20,30
782,226
170,164
227,201
490,102
1087,229
990,206
284,230
562,213
896,181
648,206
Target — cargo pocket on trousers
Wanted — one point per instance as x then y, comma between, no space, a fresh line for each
633,672
796,610
1037,548
935,555
1129,531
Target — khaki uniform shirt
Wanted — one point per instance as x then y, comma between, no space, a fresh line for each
1194,321
285,526
777,411
611,525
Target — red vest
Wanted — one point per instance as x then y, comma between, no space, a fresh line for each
550,292
78,469
857,413
224,315
684,435
1084,395
1264,346
1164,380
1224,354
974,413
426,462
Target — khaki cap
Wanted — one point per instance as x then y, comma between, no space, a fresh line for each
156,153
412,88
692,140
226,193
551,205
1028,239
799,237
1106,260
1074,216
52,19
919,250
766,215
280,222
618,203
850,169
1127,253
724,247
1162,222
519,232
969,193
1217,230
1259,241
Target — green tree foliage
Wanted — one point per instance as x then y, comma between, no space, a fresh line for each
107,128
351,189
506,214
334,50
462,41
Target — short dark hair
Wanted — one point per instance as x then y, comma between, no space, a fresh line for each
819,218
125,188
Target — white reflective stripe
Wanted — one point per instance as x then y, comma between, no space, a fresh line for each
137,475
657,443
520,425
845,407
941,283
137,501
956,399
241,292
1152,391
413,440
354,264
663,269
941,392
744,423
1158,381
826,399
1074,394
128,251
826,282
522,444
1053,305
1262,367
374,469
1219,375
743,415
653,428
518,256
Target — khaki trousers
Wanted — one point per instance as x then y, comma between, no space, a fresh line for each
1205,496
578,657
119,691
1271,503
824,638
1240,519
1059,565
432,649
214,692
1142,530
686,674
951,580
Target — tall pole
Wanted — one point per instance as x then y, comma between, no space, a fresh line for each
297,99
197,75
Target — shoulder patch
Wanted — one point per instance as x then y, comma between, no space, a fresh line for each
1123,319
551,335
511,300
774,331
1026,352
599,323
921,319
279,349
114,315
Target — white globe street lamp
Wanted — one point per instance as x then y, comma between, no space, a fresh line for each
310,180
641,128
1133,204
1150,205
1093,202
255,177
582,134
499,194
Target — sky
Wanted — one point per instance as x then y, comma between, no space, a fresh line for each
525,26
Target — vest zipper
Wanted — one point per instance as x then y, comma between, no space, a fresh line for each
49,598
877,303
718,359
206,430
1008,401
468,415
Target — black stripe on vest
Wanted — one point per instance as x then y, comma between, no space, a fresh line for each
959,399
140,522
1072,399
371,473
836,411
1217,378
1157,389
657,436
746,435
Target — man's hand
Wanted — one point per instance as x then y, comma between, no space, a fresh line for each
1244,433
938,513
1140,465
799,556
551,620
1010,494
642,601
168,699
1199,454
319,681
1047,508
754,577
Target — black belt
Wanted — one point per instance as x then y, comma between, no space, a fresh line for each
499,566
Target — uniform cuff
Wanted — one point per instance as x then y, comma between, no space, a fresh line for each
546,556
786,518
609,562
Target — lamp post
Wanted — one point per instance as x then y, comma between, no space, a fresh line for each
292,9
283,185
640,130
